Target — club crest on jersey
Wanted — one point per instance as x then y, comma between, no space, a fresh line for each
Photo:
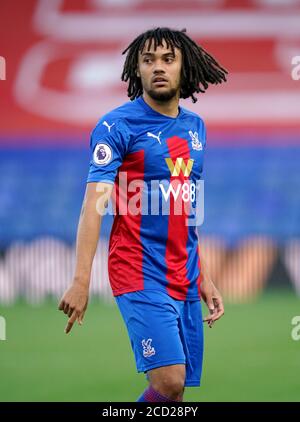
148,350
196,144
102,154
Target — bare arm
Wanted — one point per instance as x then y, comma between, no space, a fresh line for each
74,301
211,296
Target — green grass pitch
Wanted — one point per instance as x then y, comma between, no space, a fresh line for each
249,355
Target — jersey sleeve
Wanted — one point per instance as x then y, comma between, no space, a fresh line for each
109,144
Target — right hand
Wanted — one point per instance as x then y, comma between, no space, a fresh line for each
74,303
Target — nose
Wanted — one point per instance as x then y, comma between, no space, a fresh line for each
158,67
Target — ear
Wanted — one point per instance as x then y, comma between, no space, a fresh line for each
138,73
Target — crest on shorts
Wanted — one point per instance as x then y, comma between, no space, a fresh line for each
148,350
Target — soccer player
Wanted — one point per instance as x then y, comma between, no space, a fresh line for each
150,150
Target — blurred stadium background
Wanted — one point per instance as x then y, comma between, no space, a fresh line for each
63,65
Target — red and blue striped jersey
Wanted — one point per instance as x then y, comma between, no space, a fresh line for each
154,162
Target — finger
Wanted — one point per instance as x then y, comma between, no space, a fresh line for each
212,318
219,309
61,305
212,312
80,318
219,304
217,316
71,321
208,321
208,318
71,309
211,307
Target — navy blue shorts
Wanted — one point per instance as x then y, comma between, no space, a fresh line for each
164,331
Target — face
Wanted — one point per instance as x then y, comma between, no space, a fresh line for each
160,72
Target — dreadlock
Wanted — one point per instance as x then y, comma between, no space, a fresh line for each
198,67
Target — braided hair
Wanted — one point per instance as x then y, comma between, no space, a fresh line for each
198,67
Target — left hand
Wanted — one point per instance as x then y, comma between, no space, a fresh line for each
213,300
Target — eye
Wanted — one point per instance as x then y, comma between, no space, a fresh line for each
147,60
169,59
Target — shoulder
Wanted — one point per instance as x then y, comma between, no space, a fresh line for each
119,118
113,128
192,115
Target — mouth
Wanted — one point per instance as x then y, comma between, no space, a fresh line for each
159,80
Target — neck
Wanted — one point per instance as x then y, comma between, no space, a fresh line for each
168,108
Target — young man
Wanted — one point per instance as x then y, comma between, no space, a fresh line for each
154,264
